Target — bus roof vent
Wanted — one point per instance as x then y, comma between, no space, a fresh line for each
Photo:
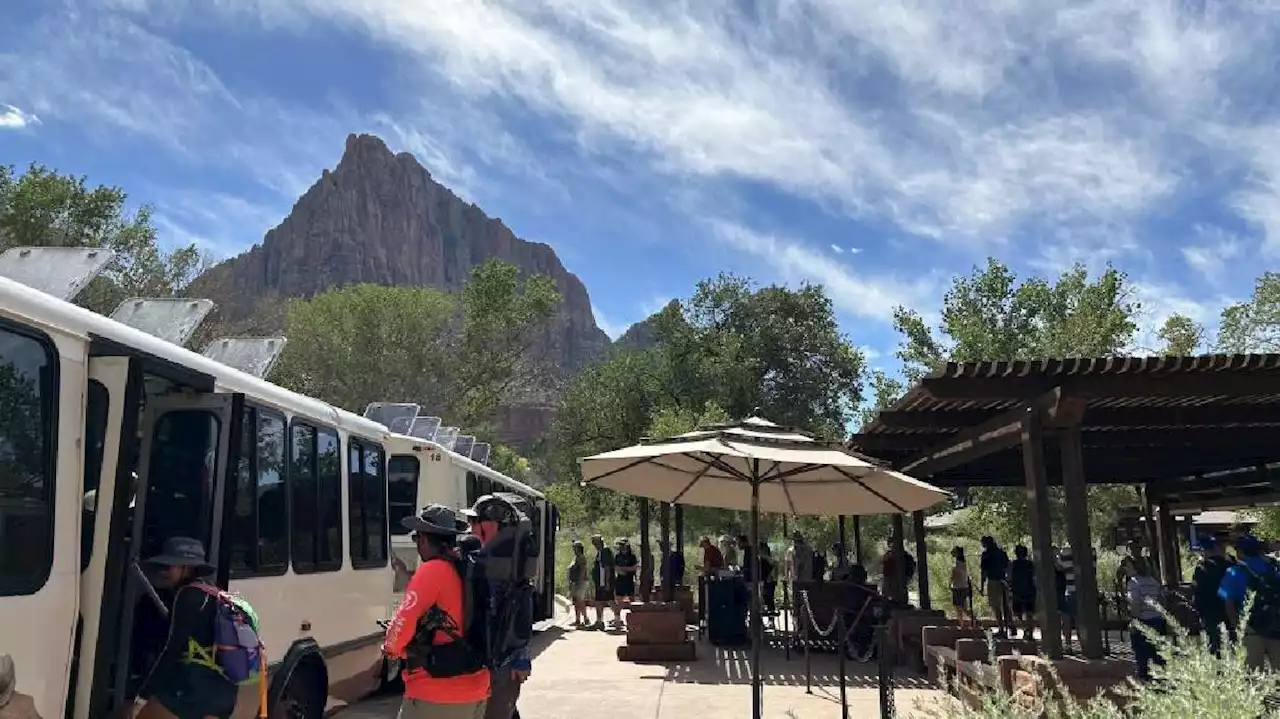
424,427
463,444
59,271
251,355
386,413
172,319
446,436
480,452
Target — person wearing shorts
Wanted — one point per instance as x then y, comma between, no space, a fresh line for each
579,586
961,588
602,576
625,564
1022,590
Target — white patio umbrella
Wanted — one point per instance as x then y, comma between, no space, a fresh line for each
757,465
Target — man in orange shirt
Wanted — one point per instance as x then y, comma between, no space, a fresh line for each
445,683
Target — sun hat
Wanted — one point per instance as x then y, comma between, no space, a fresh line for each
182,552
435,519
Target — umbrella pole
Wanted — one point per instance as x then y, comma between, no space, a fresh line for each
757,689
786,593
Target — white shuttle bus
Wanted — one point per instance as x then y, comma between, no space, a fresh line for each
436,471
113,439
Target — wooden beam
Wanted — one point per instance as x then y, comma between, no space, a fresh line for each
1120,467
953,420
1170,384
1245,501
1089,625
1120,437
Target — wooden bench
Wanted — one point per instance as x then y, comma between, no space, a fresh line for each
1036,680
938,655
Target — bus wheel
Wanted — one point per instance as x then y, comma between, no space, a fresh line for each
302,697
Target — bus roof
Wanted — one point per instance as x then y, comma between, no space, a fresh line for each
51,313
407,443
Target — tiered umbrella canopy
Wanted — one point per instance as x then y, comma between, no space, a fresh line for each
759,466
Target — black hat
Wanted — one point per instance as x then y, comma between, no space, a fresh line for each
435,519
182,552
469,543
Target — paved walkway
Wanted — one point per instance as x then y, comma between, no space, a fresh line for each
577,675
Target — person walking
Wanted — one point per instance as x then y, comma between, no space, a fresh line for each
187,681
1260,631
428,629
1143,593
994,569
1206,580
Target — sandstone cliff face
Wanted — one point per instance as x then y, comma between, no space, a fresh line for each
379,217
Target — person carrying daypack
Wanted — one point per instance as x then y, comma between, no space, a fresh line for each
1205,582
438,628
509,558
1259,574
213,646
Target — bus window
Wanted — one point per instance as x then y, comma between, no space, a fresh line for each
302,493
402,490
329,500
367,502
28,394
536,524
97,402
473,489
484,486
315,485
260,523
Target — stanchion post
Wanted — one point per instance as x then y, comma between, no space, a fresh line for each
807,627
885,663
841,639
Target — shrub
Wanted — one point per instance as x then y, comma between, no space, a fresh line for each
1193,683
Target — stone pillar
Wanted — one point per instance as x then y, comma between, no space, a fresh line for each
1088,621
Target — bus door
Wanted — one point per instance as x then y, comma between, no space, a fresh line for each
551,517
186,465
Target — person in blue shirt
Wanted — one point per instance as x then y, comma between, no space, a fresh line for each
1261,646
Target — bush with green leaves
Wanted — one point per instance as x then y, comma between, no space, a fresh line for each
1192,683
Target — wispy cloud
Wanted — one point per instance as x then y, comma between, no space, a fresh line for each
14,118
859,294
1214,250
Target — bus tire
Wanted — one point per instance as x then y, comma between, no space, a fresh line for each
305,691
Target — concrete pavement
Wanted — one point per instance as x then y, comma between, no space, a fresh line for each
577,676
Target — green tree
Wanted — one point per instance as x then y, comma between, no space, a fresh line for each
730,350
885,391
1253,325
458,356
43,208
991,316
509,462
1181,336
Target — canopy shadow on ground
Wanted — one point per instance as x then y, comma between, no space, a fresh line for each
719,665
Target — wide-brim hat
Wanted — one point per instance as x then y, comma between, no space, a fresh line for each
182,552
435,519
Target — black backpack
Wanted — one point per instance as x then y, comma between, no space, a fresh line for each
470,649
1264,619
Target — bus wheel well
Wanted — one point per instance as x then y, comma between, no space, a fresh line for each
300,687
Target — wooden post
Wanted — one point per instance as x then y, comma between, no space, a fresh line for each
1088,621
899,583
843,558
1149,539
922,560
646,553
857,539
1041,534
664,550
680,529
1170,572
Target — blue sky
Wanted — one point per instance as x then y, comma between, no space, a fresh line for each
878,148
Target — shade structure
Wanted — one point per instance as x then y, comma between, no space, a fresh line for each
756,465
717,467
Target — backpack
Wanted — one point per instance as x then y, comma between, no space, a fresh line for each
238,652
467,653
1264,619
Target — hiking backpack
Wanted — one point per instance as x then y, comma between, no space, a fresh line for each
238,653
1264,618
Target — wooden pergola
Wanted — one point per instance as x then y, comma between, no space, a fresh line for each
1198,432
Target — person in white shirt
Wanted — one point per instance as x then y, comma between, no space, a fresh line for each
1144,593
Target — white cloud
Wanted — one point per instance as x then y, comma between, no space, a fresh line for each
866,295
1214,252
1160,301
14,118
611,328
837,249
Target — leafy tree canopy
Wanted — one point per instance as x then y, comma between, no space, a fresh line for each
458,356
990,315
43,208
1253,325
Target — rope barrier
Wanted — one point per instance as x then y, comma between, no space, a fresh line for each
862,657
845,647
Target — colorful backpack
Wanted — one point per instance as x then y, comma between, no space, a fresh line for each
238,652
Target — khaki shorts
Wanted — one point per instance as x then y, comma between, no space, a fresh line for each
579,591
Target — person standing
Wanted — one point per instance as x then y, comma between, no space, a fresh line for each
797,561
1065,575
578,584
994,568
712,557
625,565
961,588
602,576
1022,590
1143,592
507,548
1260,631
458,684
1205,582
